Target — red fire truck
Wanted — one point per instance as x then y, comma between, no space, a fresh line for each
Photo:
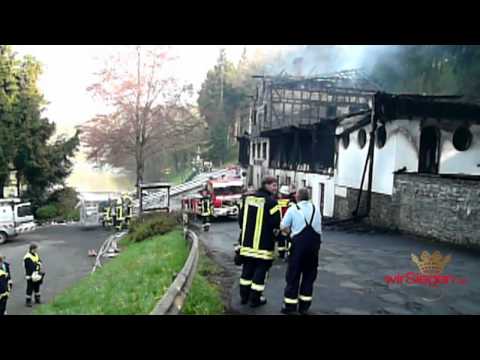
221,195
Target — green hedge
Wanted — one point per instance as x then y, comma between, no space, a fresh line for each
151,225
47,212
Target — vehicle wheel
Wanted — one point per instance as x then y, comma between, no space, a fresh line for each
3,237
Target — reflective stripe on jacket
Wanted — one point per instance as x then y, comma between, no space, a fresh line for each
260,215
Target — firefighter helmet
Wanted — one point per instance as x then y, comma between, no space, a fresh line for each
36,276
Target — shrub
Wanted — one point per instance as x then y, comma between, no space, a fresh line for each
73,215
66,199
151,225
47,212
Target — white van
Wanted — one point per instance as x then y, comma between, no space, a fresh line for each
15,218
91,207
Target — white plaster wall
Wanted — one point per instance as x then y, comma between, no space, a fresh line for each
407,133
384,163
313,181
351,161
453,161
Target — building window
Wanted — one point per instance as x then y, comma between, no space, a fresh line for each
462,139
253,151
362,138
381,136
264,151
345,140
258,150
288,180
429,154
304,183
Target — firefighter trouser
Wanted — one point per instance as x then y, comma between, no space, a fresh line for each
3,305
252,281
282,242
302,270
33,287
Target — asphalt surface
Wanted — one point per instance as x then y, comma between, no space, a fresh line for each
352,268
63,250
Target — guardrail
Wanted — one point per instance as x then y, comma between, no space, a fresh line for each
173,300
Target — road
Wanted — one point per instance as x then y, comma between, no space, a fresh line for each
63,249
352,268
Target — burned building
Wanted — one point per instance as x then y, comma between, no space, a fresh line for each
291,130
412,163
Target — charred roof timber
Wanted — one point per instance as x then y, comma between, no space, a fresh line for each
286,101
408,106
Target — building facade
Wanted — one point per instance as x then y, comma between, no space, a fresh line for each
423,157
291,131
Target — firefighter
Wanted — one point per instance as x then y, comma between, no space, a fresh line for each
304,221
127,209
206,209
33,274
5,285
113,213
259,221
106,216
119,215
283,203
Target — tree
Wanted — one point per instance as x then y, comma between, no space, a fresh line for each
224,94
149,110
25,136
8,94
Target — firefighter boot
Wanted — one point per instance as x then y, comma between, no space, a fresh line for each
244,294
289,309
257,299
37,299
28,302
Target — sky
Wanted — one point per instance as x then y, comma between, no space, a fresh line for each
69,69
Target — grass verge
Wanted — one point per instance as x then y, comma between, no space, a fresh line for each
131,284
204,297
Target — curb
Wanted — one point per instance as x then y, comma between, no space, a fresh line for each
172,302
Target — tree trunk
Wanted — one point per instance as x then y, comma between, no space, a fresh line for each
139,170
2,184
18,176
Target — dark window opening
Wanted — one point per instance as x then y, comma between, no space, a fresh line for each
362,138
244,152
253,151
304,183
381,137
462,139
264,151
258,150
288,180
24,211
429,150
311,150
346,140
331,111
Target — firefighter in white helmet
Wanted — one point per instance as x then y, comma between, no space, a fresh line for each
33,274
